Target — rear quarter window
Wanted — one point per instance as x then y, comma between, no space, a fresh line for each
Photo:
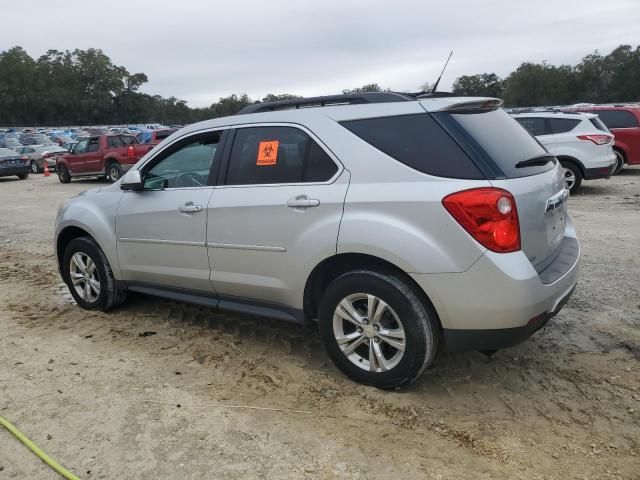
535,125
563,125
417,141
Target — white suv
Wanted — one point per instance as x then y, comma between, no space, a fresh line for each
581,142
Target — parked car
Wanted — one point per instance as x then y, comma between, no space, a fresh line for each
39,154
399,224
581,142
10,142
12,163
102,155
154,136
62,139
36,139
624,122
69,146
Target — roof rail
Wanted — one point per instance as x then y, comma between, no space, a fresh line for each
348,99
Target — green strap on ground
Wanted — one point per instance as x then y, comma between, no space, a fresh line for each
35,449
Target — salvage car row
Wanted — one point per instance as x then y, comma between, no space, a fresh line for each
74,152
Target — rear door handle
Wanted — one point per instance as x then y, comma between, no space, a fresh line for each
189,207
302,201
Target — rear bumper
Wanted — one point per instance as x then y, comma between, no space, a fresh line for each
501,299
14,170
459,340
600,172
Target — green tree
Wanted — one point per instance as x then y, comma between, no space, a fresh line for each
481,85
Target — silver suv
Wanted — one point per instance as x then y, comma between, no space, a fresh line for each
398,224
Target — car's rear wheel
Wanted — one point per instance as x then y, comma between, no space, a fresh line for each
573,177
87,273
376,329
63,174
114,172
619,162
34,167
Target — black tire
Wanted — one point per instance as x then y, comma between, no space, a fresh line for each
34,167
23,176
114,172
63,174
419,321
110,295
577,176
620,162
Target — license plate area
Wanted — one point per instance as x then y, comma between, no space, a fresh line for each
556,217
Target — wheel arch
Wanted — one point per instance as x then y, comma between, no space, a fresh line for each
572,160
332,267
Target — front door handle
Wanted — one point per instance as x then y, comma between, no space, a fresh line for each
302,201
189,207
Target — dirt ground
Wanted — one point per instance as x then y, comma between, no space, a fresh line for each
197,397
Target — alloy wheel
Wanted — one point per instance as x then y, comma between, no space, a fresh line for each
84,277
369,332
570,178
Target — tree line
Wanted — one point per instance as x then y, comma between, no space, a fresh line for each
596,79
84,87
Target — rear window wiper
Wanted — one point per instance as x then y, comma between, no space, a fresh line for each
536,161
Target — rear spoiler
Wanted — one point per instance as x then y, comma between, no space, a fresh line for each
473,106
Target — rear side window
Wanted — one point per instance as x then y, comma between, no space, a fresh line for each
502,140
418,142
535,125
268,155
114,141
617,118
562,125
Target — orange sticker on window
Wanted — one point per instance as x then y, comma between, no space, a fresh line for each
268,153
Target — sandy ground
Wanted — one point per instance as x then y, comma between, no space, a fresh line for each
108,401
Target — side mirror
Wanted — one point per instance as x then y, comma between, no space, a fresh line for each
132,180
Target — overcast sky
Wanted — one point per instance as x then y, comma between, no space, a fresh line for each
200,50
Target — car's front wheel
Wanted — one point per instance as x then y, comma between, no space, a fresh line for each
34,167
23,176
87,273
376,329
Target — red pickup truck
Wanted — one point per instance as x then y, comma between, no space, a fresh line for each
100,156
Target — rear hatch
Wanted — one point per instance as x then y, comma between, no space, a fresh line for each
512,159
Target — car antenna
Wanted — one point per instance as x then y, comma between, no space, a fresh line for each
435,85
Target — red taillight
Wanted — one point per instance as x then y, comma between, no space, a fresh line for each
489,215
131,151
597,139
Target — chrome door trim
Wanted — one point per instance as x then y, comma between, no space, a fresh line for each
162,242
260,248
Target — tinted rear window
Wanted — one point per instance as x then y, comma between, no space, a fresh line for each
418,142
502,140
563,125
617,118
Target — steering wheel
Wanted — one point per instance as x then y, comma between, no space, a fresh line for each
190,179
